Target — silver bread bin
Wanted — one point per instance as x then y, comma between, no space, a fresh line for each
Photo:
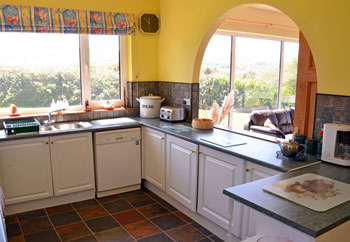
172,114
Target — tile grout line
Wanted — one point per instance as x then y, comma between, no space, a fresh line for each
53,226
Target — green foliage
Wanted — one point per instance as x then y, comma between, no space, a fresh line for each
29,89
251,89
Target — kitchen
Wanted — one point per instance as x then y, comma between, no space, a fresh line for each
176,66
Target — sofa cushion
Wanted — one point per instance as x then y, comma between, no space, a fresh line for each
259,117
285,122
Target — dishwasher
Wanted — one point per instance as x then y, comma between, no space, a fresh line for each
117,161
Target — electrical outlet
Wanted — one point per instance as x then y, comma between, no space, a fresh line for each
187,101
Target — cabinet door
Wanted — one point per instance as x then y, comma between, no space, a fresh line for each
254,172
153,147
72,163
25,170
181,171
218,171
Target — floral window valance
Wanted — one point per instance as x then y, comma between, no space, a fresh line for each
15,18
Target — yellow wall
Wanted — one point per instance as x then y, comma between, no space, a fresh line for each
171,55
324,24
144,47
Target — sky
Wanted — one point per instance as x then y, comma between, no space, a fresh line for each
248,50
38,51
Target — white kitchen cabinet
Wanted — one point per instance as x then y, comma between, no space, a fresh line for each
25,169
218,171
253,172
72,163
182,171
153,151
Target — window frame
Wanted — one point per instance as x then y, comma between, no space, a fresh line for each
84,56
234,35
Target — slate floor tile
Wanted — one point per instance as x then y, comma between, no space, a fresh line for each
216,238
201,228
10,219
72,231
59,209
156,238
35,225
153,210
108,199
128,217
117,206
16,239
131,194
86,203
140,201
65,218
168,221
89,238
31,214
13,230
185,233
183,216
101,224
92,212
43,236
116,234
142,229
205,240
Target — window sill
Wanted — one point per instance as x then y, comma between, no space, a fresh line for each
32,115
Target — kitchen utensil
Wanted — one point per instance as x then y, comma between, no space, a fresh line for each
21,126
150,106
172,114
289,149
202,123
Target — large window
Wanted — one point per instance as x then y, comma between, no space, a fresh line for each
38,68
261,71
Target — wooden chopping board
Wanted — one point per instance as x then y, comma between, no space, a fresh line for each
313,191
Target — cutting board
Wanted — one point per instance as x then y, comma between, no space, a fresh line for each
313,191
223,142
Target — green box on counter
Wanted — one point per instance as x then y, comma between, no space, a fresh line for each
21,126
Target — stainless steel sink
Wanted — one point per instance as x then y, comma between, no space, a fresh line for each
64,126
45,128
67,126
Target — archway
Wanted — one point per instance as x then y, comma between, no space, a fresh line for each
272,35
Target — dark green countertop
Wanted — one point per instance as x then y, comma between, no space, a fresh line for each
304,219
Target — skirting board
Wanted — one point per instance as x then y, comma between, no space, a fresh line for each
212,227
49,202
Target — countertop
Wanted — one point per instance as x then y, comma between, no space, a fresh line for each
304,219
255,150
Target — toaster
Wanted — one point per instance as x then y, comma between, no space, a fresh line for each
172,114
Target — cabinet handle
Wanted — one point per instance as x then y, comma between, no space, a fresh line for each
52,142
193,151
162,138
247,169
47,143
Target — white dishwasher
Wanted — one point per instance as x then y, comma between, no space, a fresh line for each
117,161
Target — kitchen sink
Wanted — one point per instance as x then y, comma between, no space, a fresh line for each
67,126
64,126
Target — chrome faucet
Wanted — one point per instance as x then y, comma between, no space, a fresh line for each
49,121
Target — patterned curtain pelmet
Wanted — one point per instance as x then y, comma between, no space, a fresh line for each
15,18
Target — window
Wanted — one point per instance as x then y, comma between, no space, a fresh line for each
38,68
262,71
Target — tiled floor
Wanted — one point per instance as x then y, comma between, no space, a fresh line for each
133,216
